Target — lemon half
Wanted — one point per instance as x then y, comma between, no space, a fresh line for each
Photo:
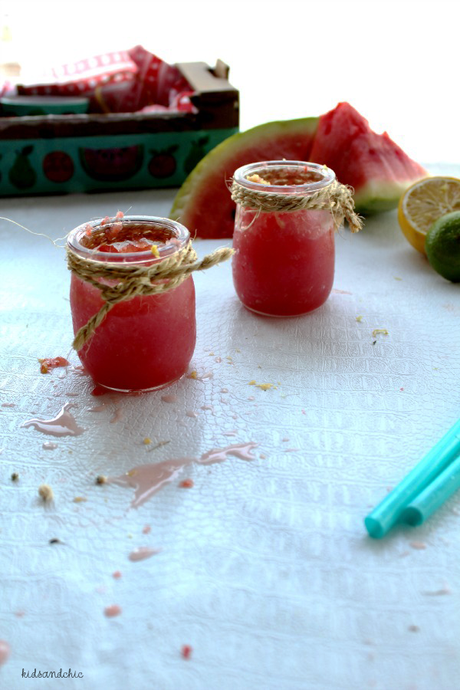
423,203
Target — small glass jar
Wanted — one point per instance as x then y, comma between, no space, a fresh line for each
146,342
284,259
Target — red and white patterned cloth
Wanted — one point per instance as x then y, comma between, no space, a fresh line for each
122,81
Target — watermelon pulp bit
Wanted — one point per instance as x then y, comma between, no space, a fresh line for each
146,342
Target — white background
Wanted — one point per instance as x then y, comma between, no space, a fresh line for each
396,62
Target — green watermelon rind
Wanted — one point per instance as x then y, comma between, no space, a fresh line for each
375,196
228,148
378,196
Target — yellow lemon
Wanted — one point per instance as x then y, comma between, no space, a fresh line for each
423,203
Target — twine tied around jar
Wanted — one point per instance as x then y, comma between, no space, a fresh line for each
135,280
336,198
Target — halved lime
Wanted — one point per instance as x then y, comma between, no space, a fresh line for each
442,246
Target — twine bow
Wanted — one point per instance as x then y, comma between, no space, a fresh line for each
336,198
134,280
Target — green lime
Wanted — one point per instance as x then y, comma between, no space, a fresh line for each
443,246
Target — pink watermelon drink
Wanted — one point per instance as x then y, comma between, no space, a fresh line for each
146,342
284,260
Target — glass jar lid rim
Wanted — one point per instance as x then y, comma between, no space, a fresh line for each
181,233
327,176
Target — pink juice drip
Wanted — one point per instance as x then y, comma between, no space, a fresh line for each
49,445
117,416
64,424
169,398
4,652
98,408
418,545
240,450
141,553
112,611
147,480
8,404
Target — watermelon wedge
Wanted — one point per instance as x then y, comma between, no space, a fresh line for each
378,169
203,203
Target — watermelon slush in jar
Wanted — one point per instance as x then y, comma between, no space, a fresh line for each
145,342
284,259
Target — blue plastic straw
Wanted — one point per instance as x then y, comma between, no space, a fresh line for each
434,495
393,507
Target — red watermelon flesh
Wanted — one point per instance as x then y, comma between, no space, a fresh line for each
204,205
377,168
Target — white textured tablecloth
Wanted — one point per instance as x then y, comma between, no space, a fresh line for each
265,569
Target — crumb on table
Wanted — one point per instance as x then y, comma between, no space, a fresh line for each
49,363
186,483
262,386
45,492
186,651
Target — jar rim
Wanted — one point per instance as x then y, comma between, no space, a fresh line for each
327,177
180,232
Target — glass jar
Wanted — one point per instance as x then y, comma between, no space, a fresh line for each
147,341
284,259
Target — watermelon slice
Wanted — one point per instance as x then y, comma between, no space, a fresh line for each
203,203
378,169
